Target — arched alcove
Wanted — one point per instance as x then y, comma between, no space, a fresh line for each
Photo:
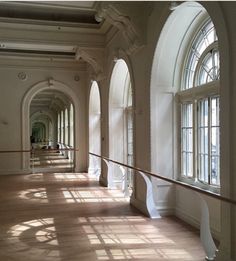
169,60
46,86
120,119
94,129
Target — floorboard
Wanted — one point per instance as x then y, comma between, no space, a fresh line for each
69,217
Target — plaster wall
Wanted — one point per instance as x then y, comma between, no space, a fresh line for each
13,91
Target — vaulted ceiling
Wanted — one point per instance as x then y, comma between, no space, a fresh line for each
52,100
50,28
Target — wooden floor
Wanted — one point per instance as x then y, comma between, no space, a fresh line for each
46,160
69,217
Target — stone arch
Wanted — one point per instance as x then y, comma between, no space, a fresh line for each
165,81
51,84
120,83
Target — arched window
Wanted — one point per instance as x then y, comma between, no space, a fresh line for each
62,127
129,128
66,127
94,129
121,119
71,126
202,65
199,112
58,127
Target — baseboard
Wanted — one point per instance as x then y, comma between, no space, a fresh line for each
163,210
191,220
140,205
166,211
15,172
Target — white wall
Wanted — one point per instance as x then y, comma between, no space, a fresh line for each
13,91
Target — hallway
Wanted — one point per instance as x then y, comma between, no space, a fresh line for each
67,216
50,161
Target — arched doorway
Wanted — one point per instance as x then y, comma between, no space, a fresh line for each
121,122
51,99
51,150
94,130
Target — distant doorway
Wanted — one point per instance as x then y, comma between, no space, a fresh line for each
51,131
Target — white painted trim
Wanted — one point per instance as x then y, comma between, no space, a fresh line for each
163,210
140,205
186,217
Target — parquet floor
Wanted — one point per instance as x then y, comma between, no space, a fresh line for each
44,160
68,217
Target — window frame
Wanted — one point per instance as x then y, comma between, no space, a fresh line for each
193,95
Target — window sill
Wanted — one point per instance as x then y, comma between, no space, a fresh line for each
201,185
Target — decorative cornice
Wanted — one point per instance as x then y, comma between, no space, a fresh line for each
123,22
93,57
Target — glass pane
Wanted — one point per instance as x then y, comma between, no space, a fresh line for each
187,140
209,70
215,142
58,127
129,117
210,67
62,127
66,127
71,125
203,136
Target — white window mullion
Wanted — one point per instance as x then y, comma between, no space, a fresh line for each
195,142
209,140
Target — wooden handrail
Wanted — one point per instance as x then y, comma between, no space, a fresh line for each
32,150
177,182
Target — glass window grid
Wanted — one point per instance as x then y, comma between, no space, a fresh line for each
129,117
71,125
208,145
59,126
187,140
66,127
202,67
207,128
209,70
62,126
204,38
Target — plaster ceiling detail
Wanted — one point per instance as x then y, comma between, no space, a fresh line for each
51,12
49,100
93,57
113,15
22,76
67,32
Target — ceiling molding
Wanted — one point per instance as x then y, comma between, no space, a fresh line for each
113,15
93,57
50,12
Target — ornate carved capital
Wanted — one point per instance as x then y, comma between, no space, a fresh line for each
123,22
93,57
